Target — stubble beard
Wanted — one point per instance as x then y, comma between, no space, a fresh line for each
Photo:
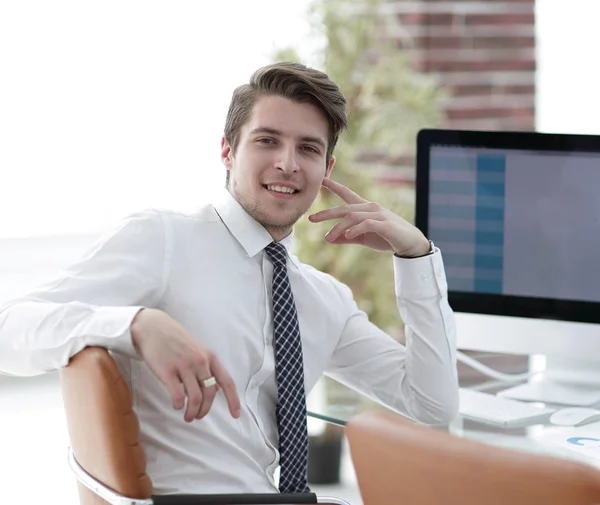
256,210
280,226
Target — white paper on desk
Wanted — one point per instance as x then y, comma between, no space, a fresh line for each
584,440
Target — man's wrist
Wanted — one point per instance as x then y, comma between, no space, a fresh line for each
134,329
426,251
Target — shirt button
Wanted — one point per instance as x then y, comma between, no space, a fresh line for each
425,277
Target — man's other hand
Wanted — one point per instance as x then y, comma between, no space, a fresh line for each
181,362
369,224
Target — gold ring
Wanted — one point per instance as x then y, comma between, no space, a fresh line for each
211,381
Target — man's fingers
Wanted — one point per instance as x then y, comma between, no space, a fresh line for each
342,191
227,385
208,396
176,390
193,392
366,226
341,211
348,221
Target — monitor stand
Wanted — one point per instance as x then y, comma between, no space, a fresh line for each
565,381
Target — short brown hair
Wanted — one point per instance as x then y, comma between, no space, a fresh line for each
296,82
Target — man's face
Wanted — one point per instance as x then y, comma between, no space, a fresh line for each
279,163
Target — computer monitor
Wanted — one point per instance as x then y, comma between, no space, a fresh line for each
517,218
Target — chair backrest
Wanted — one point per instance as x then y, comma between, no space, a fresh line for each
401,462
103,429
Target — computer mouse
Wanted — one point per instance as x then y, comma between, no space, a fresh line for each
574,416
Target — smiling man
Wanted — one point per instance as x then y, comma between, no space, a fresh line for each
296,149
211,313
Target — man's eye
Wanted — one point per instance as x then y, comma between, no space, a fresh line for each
266,141
311,149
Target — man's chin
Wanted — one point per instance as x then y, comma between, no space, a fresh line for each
279,224
278,221
275,217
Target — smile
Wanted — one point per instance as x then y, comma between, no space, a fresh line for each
280,189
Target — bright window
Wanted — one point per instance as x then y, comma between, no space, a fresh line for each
110,107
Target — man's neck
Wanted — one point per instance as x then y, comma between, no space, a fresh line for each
278,233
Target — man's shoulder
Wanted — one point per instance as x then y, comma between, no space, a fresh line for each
160,223
202,214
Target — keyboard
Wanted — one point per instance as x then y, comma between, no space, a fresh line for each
499,411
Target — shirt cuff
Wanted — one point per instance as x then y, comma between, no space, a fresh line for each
422,277
111,328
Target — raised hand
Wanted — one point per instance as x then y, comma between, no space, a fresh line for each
182,363
369,224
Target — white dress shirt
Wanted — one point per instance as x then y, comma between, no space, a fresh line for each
208,270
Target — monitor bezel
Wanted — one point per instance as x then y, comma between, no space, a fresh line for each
503,305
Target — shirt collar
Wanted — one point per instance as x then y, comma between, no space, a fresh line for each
251,235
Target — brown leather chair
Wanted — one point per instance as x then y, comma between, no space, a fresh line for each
105,451
397,461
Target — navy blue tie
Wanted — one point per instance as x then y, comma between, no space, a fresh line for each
289,371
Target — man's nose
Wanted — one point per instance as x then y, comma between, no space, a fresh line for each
288,159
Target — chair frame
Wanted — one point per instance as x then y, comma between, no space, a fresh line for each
114,498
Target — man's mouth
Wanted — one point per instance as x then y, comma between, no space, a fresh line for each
280,189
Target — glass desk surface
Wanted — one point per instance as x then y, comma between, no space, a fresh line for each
539,438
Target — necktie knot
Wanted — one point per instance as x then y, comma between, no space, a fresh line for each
277,254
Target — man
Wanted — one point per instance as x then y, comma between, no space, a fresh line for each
210,312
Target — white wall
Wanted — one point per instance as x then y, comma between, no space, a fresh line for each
568,74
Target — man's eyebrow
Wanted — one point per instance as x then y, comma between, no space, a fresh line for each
315,140
273,131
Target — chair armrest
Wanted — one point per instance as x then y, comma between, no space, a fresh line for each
115,498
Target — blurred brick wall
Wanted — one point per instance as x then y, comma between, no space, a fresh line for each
482,52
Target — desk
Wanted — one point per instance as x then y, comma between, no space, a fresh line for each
530,438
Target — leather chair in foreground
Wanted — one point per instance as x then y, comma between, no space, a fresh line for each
105,451
397,461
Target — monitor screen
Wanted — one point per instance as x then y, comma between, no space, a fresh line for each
517,218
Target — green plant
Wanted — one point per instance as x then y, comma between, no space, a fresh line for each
388,102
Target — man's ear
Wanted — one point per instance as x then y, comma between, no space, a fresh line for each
226,153
329,167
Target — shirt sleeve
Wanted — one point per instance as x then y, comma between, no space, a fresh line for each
420,379
90,303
